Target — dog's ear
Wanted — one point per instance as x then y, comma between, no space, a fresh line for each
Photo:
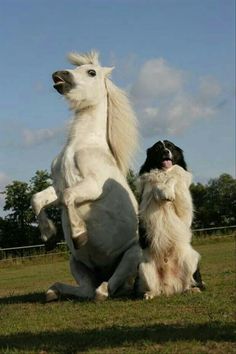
181,161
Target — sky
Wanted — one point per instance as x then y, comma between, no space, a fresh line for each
174,58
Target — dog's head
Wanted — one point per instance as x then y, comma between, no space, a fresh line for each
163,155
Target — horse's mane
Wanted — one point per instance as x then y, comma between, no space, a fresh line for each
122,127
85,58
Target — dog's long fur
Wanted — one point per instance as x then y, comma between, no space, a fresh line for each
166,211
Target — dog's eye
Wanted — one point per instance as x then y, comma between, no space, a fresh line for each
92,73
168,145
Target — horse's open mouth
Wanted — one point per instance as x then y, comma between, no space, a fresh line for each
63,81
58,80
59,84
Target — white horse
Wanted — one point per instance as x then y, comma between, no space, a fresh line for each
99,211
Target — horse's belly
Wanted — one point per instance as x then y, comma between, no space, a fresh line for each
111,230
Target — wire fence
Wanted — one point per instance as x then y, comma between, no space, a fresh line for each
60,248
34,251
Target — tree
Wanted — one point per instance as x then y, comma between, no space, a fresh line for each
198,192
220,200
40,181
17,222
215,203
19,226
131,179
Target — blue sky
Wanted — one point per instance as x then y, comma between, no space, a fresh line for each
175,58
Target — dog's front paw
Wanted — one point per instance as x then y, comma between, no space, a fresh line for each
168,196
165,194
149,295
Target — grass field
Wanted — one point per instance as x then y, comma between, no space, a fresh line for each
189,323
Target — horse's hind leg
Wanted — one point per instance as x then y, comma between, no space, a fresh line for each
84,278
126,269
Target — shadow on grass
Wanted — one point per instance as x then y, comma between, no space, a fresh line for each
21,299
72,341
39,297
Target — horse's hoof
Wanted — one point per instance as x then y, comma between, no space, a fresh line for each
52,295
80,240
101,293
48,230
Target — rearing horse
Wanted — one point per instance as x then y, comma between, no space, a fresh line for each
99,211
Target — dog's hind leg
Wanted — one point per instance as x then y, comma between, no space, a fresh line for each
149,281
198,279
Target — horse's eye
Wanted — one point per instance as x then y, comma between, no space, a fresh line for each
92,73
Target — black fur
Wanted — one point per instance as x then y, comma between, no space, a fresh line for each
158,152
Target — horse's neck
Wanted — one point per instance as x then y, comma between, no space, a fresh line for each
89,127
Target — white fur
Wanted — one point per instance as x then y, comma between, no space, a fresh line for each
99,211
166,213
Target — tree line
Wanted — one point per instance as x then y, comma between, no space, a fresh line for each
214,205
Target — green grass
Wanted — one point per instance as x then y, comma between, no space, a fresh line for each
189,323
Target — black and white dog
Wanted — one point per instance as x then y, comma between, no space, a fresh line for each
170,264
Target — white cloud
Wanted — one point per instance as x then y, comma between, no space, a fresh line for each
164,102
208,87
4,180
37,137
14,135
157,79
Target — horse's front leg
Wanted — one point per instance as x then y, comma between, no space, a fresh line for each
40,201
84,191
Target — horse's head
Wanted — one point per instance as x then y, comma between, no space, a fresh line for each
85,85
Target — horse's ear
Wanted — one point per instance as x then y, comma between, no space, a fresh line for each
108,71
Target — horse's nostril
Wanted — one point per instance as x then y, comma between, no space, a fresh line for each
61,73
